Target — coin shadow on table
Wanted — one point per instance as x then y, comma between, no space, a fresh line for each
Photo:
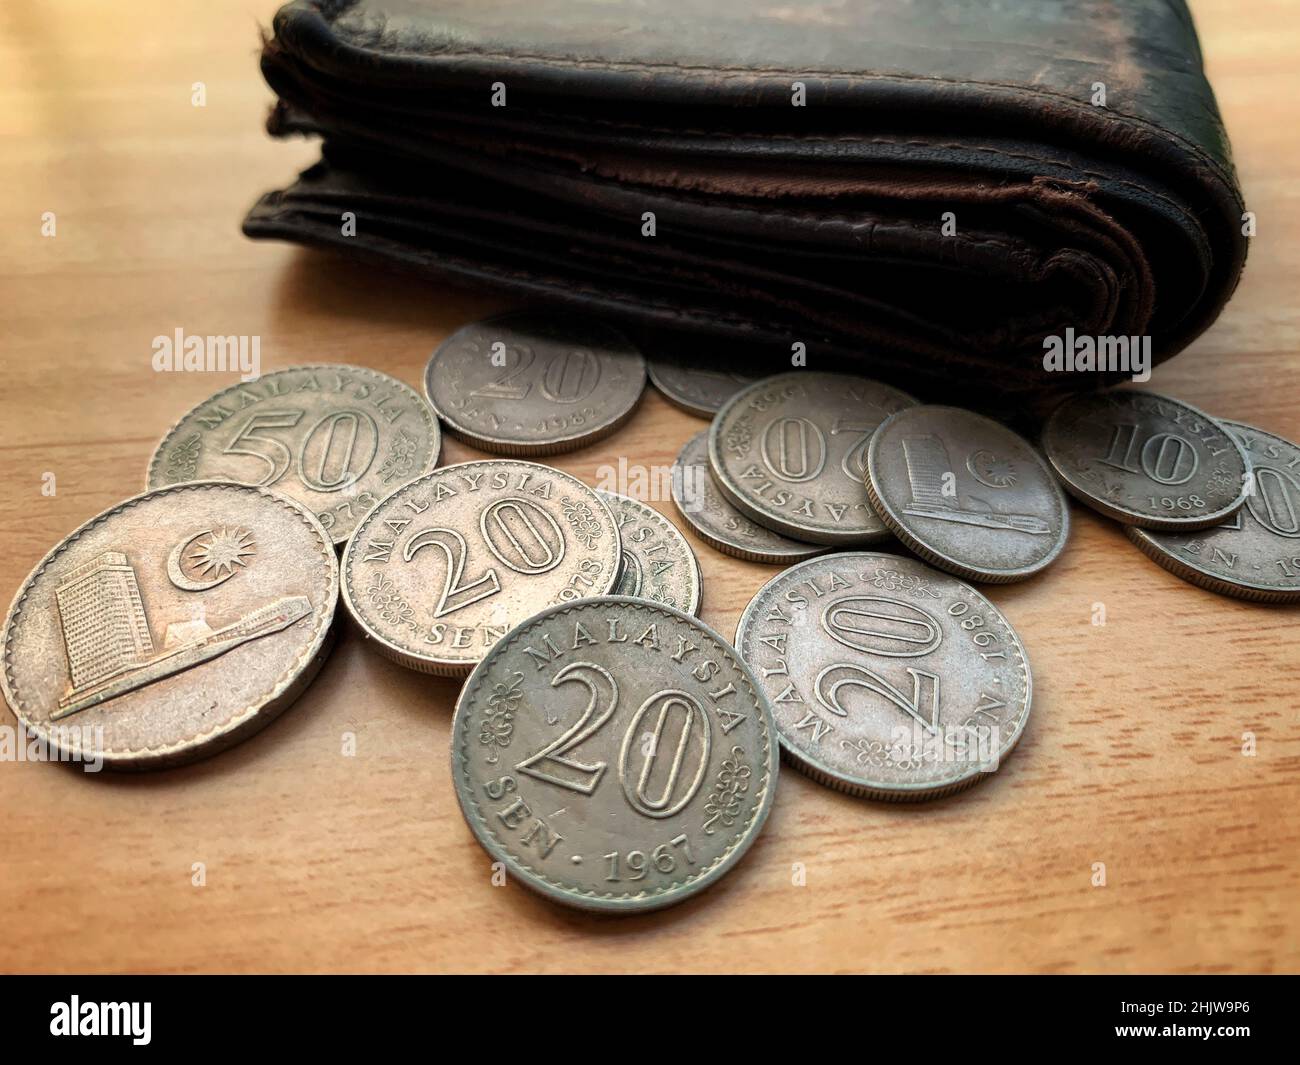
319,284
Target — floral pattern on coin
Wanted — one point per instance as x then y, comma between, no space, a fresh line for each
658,564
444,566
335,438
1146,459
640,761
888,679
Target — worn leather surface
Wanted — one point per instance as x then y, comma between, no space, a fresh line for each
775,224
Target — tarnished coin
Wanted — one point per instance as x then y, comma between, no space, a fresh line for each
790,452
1145,459
717,522
888,679
1255,554
697,384
172,625
443,567
657,564
966,494
530,383
616,754
335,438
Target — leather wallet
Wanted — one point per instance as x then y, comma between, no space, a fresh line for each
930,189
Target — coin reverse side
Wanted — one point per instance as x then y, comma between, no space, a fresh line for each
1145,459
335,438
888,679
532,383
717,522
442,568
658,564
966,494
1255,554
790,452
616,754
172,625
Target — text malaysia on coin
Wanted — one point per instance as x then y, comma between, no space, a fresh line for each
172,625
790,452
696,382
534,384
966,494
1255,554
717,522
658,564
616,754
888,679
1145,459
443,567
335,438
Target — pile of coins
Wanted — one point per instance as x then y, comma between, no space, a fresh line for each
612,750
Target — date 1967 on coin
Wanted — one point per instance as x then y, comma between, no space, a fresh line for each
615,754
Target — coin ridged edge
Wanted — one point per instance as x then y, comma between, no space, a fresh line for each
423,405
1142,521
1210,583
403,657
803,762
608,902
286,688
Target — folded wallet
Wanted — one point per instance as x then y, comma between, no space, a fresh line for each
930,189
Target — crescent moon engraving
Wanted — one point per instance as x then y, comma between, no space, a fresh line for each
220,557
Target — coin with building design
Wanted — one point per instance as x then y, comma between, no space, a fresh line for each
172,625
888,679
443,567
615,754
966,494
335,438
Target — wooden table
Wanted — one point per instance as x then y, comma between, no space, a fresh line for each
316,861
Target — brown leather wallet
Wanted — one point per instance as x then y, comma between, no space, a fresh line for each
928,188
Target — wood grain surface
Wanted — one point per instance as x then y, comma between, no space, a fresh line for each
317,861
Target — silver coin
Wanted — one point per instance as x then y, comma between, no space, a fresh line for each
615,754
966,494
1145,459
446,565
530,383
335,438
657,564
717,522
695,382
1255,554
790,452
172,625
887,679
